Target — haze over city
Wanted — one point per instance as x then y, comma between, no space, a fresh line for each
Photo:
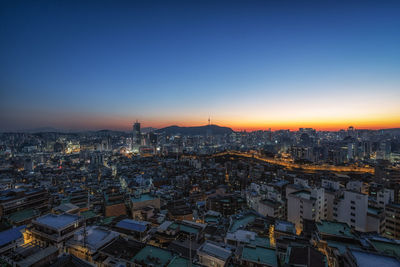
247,64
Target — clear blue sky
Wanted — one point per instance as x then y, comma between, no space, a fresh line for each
247,64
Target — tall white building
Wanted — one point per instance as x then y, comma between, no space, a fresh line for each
305,204
352,208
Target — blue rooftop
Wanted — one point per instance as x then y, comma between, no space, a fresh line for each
10,235
132,225
58,221
367,259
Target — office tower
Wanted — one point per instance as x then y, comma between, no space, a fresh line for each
136,137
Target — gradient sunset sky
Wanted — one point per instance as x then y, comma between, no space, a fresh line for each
246,64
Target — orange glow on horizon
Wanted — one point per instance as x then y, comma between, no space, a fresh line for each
239,123
292,126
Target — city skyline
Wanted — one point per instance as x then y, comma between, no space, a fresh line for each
249,65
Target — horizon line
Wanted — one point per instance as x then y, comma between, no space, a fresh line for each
235,129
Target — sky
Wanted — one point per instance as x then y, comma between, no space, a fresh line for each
81,65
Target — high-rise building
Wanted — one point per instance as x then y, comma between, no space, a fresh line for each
305,204
136,135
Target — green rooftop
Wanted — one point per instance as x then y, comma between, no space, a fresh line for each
143,197
335,228
211,219
388,248
107,220
179,261
261,242
153,256
22,215
260,255
184,228
88,214
112,202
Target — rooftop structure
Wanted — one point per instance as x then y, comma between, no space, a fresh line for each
58,222
132,225
369,259
10,236
153,256
241,221
259,255
285,227
337,229
142,197
94,238
215,250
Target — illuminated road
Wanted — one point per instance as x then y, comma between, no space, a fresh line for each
287,164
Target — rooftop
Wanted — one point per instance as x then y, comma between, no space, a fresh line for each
215,251
284,226
242,221
368,259
184,228
154,256
335,228
142,197
88,214
179,262
388,248
58,221
37,257
342,246
10,235
302,194
96,236
260,254
374,211
22,215
132,225
242,236
66,207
